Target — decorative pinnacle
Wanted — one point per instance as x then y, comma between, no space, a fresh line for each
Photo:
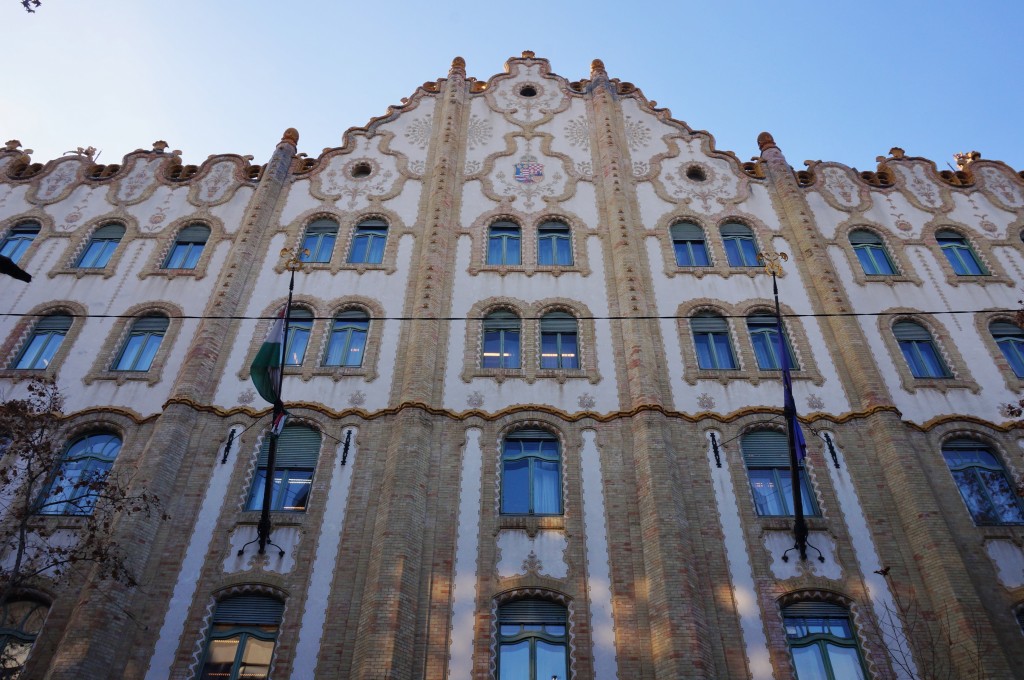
291,135
765,141
528,54
771,261
458,67
965,159
12,145
293,260
597,69
159,146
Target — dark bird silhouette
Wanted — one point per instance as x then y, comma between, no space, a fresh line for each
884,571
8,267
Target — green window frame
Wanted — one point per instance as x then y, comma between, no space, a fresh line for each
871,253
42,345
822,642
368,242
319,240
920,351
187,247
142,344
689,245
101,247
1010,339
501,340
740,247
18,239
347,344
504,244
959,253
712,342
298,450
533,638
984,486
766,455
764,336
531,474
300,327
242,637
554,245
21,619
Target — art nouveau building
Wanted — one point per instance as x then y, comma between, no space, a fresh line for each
535,400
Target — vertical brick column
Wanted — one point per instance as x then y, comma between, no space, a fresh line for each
103,630
937,560
677,633
387,633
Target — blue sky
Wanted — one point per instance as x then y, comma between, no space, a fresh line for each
831,81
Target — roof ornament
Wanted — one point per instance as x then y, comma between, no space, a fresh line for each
291,135
528,54
458,67
765,141
88,151
597,69
13,144
965,159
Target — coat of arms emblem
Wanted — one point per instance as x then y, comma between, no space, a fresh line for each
528,170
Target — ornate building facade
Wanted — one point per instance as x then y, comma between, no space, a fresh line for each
533,378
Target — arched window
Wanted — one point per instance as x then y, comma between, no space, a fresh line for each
46,338
690,247
959,253
1010,339
559,347
300,325
740,247
18,240
20,621
348,339
871,252
188,247
531,474
983,483
141,346
83,468
919,350
766,454
298,448
501,340
554,247
319,240
101,246
532,641
242,638
764,336
822,642
711,339
368,242
503,244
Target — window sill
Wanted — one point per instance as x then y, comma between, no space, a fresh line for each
531,524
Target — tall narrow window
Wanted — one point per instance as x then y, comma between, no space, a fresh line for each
559,347
766,454
690,247
348,339
959,253
740,247
554,247
871,252
822,642
20,621
368,242
242,638
100,247
319,241
501,340
79,479
298,449
142,344
532,641
764,336
18,240
531,477
711,339
503,244
188,247
300,325
983,483
1010,339
919,350
45,341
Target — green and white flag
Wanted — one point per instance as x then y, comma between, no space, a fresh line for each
266,367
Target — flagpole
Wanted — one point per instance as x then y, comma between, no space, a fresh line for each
800,532
265,526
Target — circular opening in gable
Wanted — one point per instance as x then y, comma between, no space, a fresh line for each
360,170
528,91
696,173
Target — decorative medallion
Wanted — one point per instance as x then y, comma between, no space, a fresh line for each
529,170
475,399
357,398
247,396
706,401
586,401
815,402
1001,187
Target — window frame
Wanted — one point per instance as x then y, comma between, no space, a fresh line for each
499,321
1009,340
738,235
147,334
871,245
556,237
319,231
528,614
299,329
543,439
103,237
353,324
771,455
298,451
768,335
685,234
18,634
48,326
262,622
76,494
710,337
19,239
504,232
556,324
187,238
365,237
954,246
911,346
960,447
809,614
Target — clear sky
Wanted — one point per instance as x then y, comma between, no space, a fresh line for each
840,81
